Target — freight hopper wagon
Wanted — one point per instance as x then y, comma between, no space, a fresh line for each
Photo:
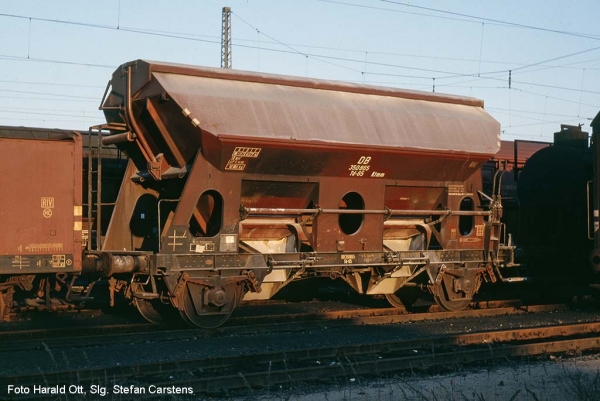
240,183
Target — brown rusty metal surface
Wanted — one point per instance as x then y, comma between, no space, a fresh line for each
285,112
257,77
118,235
266,141
268,124
40,206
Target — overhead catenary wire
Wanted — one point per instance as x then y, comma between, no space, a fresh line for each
500,110
363,73
53,61
44,114
46,99
48,94
466,17
88,122
12,81
555,98
497,21
290,47
82,112
319,57
293,49
438,75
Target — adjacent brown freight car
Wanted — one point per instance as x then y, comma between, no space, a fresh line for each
40,209
39,256
244,182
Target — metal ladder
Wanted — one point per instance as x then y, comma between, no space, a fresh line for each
94,200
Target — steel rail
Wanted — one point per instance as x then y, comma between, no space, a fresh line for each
344,367
78,337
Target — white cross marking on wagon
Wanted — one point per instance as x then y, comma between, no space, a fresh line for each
175,237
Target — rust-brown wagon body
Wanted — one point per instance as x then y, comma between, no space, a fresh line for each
257,180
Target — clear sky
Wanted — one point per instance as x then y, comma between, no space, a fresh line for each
56,57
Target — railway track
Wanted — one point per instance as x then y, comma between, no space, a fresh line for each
216,375
130,333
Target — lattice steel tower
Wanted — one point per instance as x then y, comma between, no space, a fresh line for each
226,39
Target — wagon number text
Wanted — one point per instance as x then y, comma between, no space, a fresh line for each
362,166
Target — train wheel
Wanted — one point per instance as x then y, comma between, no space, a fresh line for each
153,310
455,293
212,314
186,319
404,298
146,307
451,305
148,311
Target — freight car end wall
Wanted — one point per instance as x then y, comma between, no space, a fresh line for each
41,204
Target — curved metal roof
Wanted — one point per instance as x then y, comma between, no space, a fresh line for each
278,111
221,105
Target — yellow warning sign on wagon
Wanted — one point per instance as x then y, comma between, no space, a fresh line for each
236,162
